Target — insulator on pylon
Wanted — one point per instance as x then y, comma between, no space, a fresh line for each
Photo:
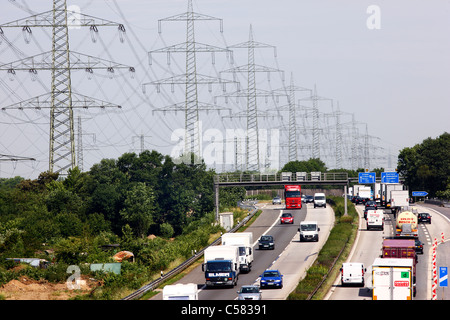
26,31
94,33
122,33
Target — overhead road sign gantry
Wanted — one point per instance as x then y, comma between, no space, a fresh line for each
389,177
366,177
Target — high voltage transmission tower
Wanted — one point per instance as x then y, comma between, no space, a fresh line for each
291,107
315,115
191,79
251,93
60,61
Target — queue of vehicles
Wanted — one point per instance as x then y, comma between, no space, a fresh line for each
394,272
223,263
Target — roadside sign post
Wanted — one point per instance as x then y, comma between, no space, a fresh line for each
443,279
416,194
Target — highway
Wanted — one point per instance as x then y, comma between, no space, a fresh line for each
290,256
368,246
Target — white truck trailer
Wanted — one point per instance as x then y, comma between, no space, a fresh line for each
365,192
392,279
244,241
386,193
221,266
399,200
180,291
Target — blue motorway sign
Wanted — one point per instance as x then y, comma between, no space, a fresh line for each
443,277
419,193
389,177
366,177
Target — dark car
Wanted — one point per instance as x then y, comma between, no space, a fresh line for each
309,199
286,218
419,246
371,203
424,217
266,242
271,279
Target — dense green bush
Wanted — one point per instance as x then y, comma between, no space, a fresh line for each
68,220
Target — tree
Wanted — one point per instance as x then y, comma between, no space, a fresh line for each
426,166
312,165
139,208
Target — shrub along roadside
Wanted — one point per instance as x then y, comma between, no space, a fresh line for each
340,240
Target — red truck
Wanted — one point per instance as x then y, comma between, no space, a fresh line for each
293,196
401,248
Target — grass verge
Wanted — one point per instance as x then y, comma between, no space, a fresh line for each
320,276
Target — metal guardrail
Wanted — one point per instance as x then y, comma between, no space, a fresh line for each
149,287
283,177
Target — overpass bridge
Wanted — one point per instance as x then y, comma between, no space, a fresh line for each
282,178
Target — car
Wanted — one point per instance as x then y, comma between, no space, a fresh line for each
271,279
266,242
249,292
286,218
419,246
276,200
371,203
424,217
309,199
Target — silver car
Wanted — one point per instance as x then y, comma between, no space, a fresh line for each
276,200
249,293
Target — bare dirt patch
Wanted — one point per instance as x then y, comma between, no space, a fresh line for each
28,289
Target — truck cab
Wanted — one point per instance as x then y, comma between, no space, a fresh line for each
221,266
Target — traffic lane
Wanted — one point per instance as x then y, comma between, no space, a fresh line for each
267,223
298,256
440,224
366,248
442,260
270,214
422,284
445,211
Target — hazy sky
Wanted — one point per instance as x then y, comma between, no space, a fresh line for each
385,62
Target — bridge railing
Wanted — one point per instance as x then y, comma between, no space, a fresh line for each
284,177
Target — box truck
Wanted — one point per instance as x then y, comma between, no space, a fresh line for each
244,241
392,279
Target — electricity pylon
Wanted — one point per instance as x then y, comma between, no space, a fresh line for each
251,93
62,100
191,79
315,130
292,106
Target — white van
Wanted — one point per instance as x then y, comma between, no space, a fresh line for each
353,273
375,219
320,200
309,231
